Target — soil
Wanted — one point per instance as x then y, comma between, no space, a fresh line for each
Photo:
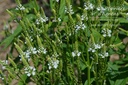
4,16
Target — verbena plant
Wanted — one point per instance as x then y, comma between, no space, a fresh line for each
71,47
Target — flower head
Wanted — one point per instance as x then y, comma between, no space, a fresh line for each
53,61
4,63
57,0
42,50
20,7
103,55
80,26
88,6
106,32
95,47
69,10
76,53
41,20
30,71
1,76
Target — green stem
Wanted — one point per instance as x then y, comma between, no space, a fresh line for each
88,60
88,75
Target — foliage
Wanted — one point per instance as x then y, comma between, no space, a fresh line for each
71,47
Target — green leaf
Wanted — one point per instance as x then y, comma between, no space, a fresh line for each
112,66
111,82
96,35
7,41
23,79
20,83
124,81
30,16
119,82
86,82
82,65
62,8
123,20
51,4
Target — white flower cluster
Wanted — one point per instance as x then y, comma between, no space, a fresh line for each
101,9
103,55
26,54
30,71
80,26
69,10
57,0
41,20
84,17
76,53
42,50
1,77
88,6
4,63
53,62
55,20
95,47
31,51
106,32
30,38
20,7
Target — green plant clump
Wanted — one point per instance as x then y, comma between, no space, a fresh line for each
70,47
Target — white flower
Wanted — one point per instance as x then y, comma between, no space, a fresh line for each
20,7
41,20
30,37
59,19
69,10
4,63
54,20
93,50
106,32
30,71
95,47
53,61
88,6
42,50
2,77
82,17
76,53
26,55
80,26
106,54
49,65
57,0
55,55
44,19
100,9
103,55
33,50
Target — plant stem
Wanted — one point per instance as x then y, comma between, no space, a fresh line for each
88,75
88,61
